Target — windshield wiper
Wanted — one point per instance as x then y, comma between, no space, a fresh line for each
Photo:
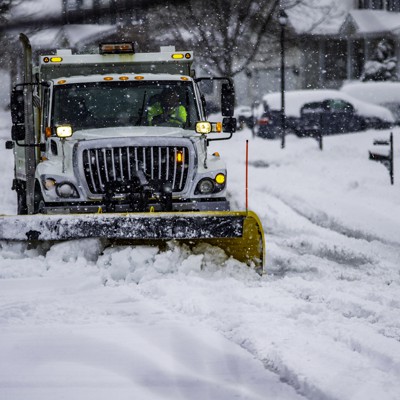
142,109
187,122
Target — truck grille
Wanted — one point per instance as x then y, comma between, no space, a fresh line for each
112,164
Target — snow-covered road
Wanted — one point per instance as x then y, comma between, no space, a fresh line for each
83,322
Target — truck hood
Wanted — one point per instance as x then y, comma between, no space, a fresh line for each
131,131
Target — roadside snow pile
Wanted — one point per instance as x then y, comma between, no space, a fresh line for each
117,264
137,264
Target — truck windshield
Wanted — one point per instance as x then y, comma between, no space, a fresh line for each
113,104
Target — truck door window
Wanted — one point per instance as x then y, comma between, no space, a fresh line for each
45,110
112,104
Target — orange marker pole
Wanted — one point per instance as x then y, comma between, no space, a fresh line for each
247,175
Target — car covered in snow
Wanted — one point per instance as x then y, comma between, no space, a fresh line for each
386,94
244,116
360,115
329,117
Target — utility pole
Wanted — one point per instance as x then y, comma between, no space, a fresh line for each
283,19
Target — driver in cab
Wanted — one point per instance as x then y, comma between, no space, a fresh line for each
167,111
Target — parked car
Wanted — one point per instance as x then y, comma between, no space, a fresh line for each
244,117
268,122
329,117
386,94
358,114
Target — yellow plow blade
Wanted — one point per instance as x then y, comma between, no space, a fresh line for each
238,233
248,248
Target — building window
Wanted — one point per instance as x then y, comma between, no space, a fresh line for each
363,4
393,5
377,4
336,60
372,4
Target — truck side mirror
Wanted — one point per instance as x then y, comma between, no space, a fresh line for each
229,124
18,132
227,99
17,106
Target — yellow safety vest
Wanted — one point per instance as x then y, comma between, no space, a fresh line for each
177,116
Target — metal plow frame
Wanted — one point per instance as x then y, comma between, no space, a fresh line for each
238,233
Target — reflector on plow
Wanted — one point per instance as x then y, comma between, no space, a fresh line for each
238,233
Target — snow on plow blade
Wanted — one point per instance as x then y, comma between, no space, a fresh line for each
238,233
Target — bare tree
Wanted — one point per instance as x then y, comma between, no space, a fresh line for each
6,7
232,34
227,34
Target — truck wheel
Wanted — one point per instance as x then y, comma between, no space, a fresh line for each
22,208
38,205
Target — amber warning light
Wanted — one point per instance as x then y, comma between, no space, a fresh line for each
52,59
116,48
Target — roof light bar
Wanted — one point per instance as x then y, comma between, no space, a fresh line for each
116,48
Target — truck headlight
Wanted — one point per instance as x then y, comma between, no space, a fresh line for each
205,186
49,183
209,185
205,127
66,190
64,131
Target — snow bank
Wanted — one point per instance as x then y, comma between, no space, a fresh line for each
374,92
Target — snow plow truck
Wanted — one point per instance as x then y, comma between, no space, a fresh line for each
98,154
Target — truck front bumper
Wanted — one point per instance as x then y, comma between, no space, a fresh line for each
86,207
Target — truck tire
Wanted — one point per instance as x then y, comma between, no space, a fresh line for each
22,207
38,206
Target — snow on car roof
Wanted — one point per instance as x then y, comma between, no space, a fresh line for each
295,99
374,92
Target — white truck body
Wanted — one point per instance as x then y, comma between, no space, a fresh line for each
113,155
